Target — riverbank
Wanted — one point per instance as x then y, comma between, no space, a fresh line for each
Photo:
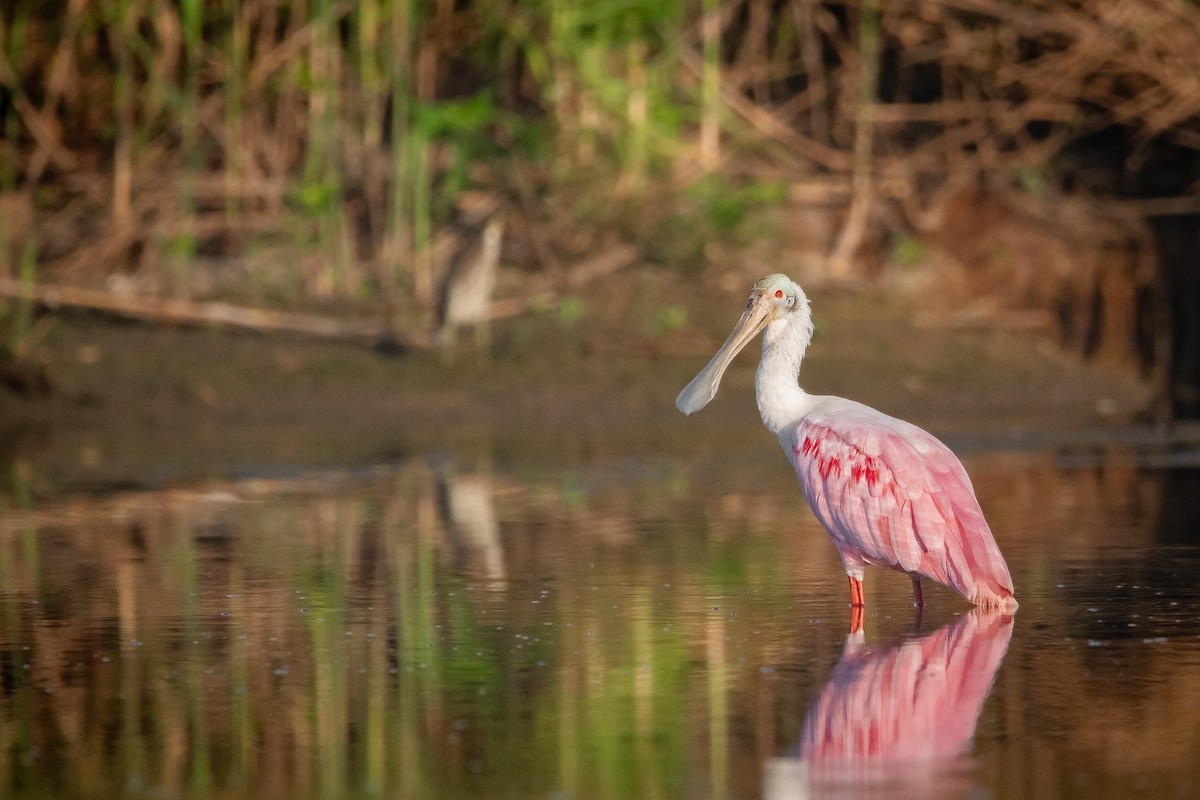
591,380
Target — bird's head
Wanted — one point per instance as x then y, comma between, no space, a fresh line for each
775,298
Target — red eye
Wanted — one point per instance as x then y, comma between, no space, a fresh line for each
779,294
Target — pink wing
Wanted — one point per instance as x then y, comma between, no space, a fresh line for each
892,495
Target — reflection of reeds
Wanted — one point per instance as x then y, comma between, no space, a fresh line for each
328,636
284,638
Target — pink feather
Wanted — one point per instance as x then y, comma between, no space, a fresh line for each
891,495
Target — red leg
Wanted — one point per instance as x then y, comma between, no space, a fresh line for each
856,619
856,592
918,598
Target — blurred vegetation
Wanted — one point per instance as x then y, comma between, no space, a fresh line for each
312,151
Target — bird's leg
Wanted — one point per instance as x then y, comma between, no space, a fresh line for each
856,619
856,592
918,598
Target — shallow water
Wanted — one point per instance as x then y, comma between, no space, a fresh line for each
662,630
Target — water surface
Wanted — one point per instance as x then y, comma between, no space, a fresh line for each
633,629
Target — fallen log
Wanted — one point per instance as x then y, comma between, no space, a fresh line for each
172,311
213,314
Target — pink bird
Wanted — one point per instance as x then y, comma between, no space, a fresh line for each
889,493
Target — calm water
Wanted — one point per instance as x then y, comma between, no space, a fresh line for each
672,630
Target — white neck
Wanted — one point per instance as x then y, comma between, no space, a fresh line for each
781,401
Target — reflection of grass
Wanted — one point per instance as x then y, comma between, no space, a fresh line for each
327,645
335,636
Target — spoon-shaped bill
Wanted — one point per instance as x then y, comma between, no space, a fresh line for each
703,388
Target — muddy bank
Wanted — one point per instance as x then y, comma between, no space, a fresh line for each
593,381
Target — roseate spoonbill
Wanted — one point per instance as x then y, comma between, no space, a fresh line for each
889,493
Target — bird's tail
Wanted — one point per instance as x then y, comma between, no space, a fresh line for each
986,581
975,568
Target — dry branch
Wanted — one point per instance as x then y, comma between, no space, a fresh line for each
225,315
768,124
221,315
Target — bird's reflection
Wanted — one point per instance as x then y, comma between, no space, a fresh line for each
896,718
466,506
